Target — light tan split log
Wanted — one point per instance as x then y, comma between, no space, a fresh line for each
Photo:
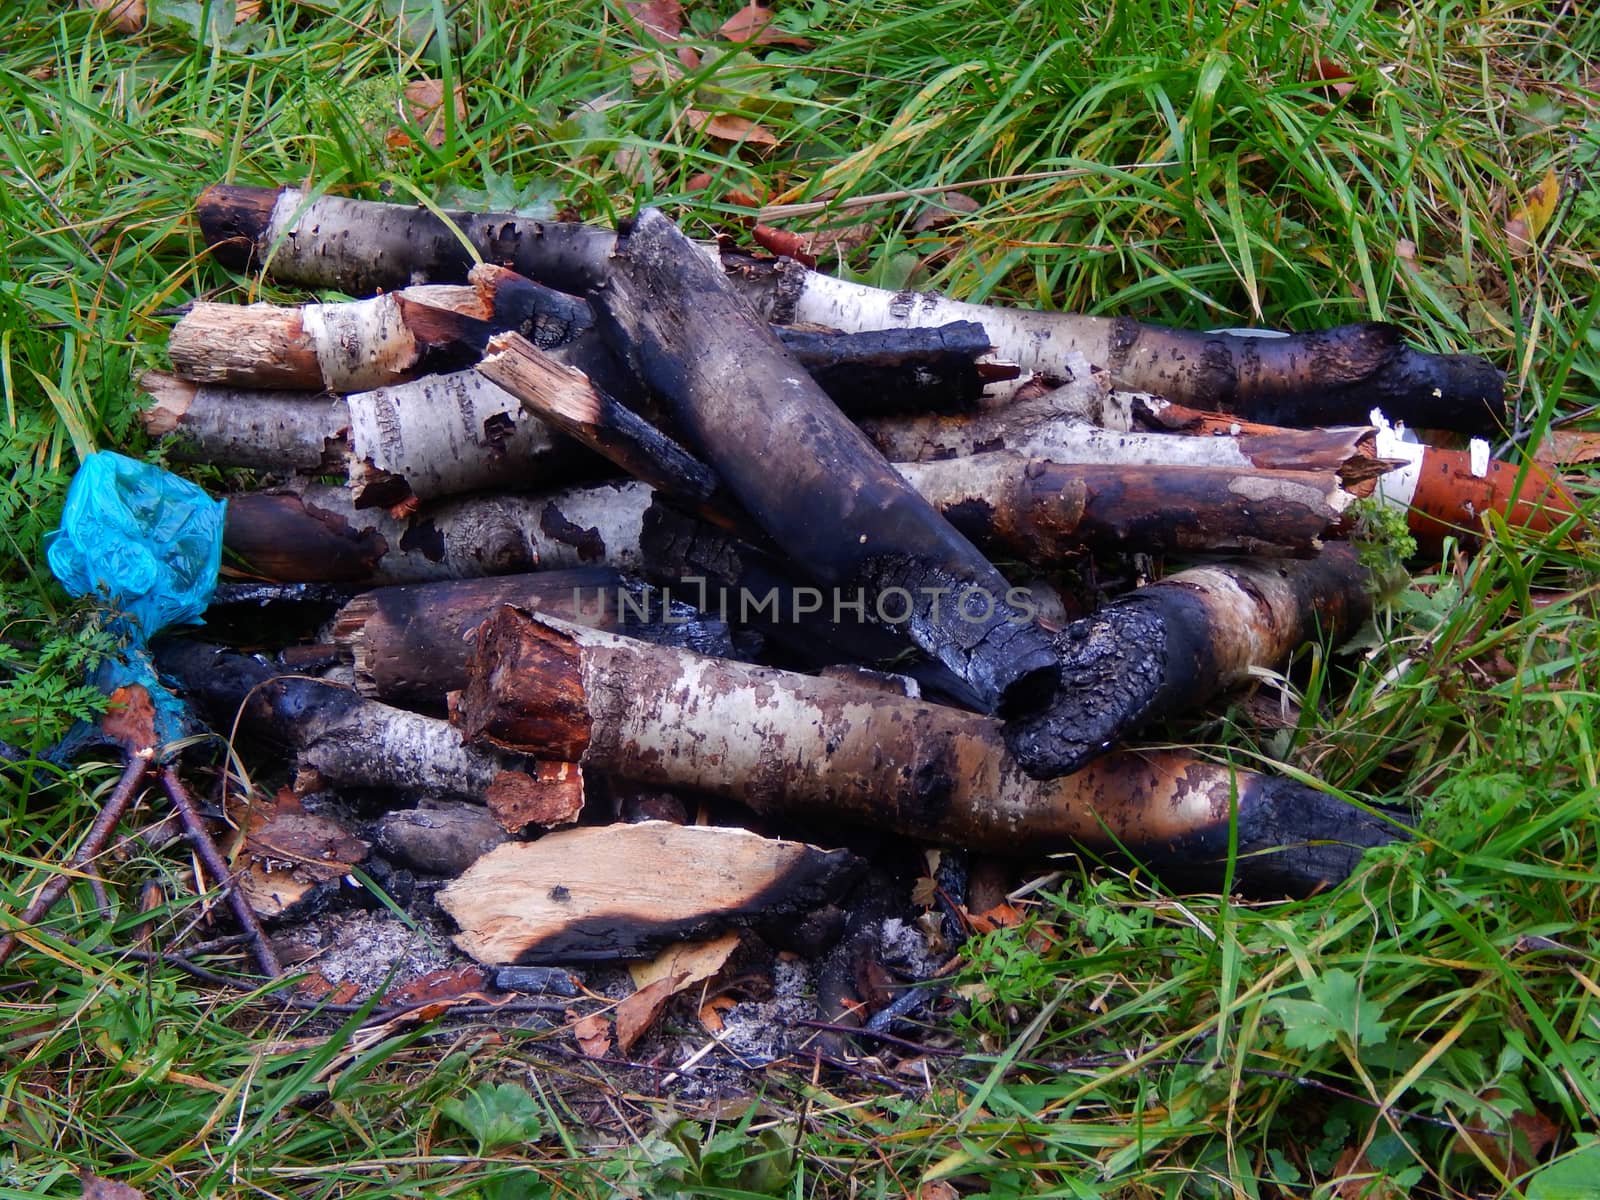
625,891
827,750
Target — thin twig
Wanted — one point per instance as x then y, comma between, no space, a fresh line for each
882,1036
105,824
211,858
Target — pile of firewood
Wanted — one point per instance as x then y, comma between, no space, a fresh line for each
616,533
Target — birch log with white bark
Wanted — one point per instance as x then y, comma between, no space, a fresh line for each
824,749
1322,377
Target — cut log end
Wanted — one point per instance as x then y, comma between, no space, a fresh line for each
170,398
233,219
526,688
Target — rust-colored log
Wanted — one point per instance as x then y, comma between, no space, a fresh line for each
827,750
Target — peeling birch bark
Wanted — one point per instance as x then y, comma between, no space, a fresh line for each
1320,377
673,316
439,436
314,533
346,738
1054,427
823,749
359,345
1170,647
627,891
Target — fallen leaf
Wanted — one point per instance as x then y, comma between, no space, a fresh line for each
131,718
938,1189
693,962
125,16
1517,1149
726,127
753,24
946,209
1335,74
1001,916
808,248
1566,447
711,1012
445,984
1530,220
424,105
663,17
288,853
96,1188
593,1034
640,1010
1354,1178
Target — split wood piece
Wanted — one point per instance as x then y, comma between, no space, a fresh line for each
314,532
1170,647
822,749
1044,512
626,891
291,863
1318,378
803,472
345,737
439,436
410,644
1447,492
565,399
1051,427
358,345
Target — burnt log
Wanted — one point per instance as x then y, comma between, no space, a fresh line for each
314,532
345,737
675,319
1322,377
1170,647
410,644
822,749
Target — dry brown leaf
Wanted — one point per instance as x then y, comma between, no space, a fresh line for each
424,104
1354,1178
287,853
96,1188
946,209
447,984
639,1011
1001,916
125,16
130,718
1530,220
711,1012
753,24
1520,1149
726,127
662,17
1566,447
694,962
937,1189
593,1034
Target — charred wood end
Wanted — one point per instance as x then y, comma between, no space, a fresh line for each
1293,840
233,219
525,689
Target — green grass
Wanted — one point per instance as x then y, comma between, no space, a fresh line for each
1180,163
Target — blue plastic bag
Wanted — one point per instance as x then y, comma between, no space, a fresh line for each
149,544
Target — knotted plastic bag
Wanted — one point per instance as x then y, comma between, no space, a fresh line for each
149,545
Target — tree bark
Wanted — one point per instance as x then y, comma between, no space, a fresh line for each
1045,513
346,738
410,644
439,436
1322,377
822,749
626,891
1052,427
1170,647
674,317
313,532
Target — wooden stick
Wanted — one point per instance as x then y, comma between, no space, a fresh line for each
827,750
807,476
